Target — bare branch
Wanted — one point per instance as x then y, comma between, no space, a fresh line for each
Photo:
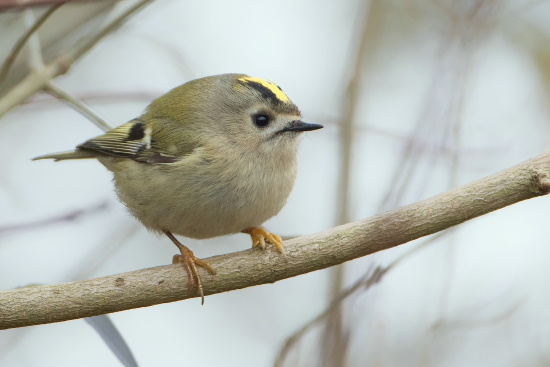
371,277
35,305
39,78
15,4
67,217
5,68
77,105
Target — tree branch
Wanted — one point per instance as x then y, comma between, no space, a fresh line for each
5,68
77,105
38,79
35,305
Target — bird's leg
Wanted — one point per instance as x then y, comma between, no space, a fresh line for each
260,235
190,262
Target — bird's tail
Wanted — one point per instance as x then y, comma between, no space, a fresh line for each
77,154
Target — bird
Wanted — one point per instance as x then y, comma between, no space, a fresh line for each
212,157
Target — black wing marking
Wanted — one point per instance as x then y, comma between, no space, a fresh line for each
127,140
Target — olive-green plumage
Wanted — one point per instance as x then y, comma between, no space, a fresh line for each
211,157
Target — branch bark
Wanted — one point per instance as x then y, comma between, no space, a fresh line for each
36,305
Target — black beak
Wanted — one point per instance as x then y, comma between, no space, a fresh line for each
299,126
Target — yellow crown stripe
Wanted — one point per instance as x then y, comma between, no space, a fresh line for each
279,94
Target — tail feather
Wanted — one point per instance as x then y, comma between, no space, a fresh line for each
77,154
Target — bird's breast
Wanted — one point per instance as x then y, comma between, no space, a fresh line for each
205,196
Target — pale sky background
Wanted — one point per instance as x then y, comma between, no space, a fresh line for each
479,297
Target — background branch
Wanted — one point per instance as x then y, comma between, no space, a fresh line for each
77,105
8,62
39,78
35,305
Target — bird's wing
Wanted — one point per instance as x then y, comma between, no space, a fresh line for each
134,140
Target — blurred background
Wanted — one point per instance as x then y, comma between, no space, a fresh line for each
416,97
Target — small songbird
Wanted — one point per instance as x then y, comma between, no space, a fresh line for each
212,157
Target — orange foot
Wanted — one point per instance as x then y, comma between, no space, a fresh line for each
190,262
260,235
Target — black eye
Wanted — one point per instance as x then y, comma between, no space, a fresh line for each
261,120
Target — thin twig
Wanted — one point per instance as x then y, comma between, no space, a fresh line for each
5,68
34,47
99,97
19,4
67,217
99,254
38,79
116,23
369,279
77,105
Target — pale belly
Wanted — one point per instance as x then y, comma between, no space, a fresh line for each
201,200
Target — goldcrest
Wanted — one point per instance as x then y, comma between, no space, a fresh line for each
212,157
